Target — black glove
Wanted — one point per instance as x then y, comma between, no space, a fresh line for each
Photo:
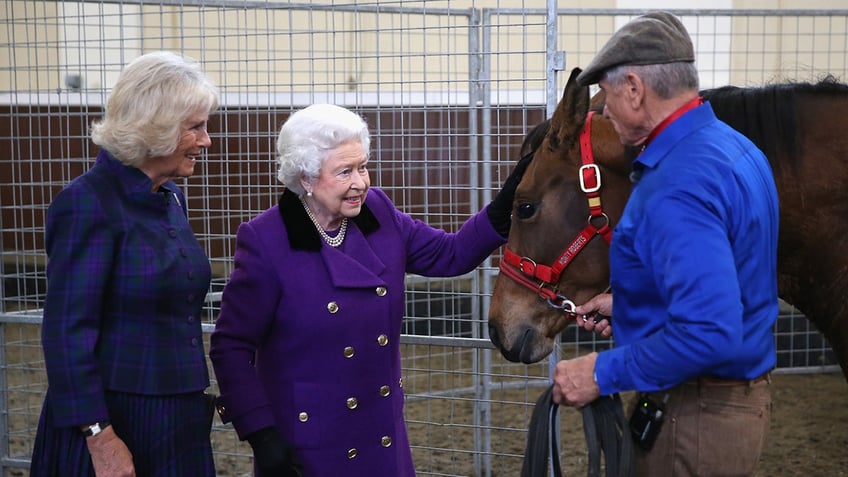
500,209
273,456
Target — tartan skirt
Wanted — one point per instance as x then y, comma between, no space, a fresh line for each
168,436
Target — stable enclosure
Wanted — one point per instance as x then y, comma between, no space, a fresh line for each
448,88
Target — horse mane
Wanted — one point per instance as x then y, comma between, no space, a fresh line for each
534,138
768,115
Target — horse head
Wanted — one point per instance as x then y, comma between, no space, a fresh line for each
555,256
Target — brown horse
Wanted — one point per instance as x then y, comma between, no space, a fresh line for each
555,257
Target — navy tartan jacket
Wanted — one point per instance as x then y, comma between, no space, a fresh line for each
126,281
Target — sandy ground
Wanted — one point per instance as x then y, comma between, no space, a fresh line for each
809,435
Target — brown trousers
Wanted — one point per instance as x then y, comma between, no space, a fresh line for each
712,428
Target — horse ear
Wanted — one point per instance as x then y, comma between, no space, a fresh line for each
570,113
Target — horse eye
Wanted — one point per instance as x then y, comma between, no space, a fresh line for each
526,210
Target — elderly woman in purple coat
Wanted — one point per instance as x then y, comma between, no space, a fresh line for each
306,348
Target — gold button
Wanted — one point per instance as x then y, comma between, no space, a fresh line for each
381,291
384,391
351,453
382,340
348,352
303,416
332,307
386,441
352,402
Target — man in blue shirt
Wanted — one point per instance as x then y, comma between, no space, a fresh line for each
693,266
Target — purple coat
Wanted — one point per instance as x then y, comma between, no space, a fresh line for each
308,336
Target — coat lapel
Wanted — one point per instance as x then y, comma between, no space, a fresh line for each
359,267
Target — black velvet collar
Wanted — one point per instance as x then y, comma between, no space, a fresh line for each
301,231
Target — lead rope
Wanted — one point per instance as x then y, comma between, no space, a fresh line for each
541,439
606,430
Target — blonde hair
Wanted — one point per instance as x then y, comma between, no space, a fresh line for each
152,98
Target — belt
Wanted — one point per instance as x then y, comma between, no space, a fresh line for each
713,381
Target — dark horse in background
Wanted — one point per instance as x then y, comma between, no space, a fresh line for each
555,257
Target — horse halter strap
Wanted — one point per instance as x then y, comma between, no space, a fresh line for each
543,279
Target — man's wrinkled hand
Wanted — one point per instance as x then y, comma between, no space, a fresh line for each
574,381
594,315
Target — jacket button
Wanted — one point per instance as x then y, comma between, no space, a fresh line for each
348,352
381,291
332,307
385,390
172,233
303,416
400,382
386,441
352,402
351,453
194,341
382,340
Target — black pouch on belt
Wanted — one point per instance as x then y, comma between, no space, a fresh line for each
646,421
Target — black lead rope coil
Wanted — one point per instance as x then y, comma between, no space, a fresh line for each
604,425
541,438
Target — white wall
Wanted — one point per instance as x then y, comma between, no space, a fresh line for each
710,36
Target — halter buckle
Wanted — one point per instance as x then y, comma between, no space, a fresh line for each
596,175
527,266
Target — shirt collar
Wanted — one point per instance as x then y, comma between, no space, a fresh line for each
693,118
135,181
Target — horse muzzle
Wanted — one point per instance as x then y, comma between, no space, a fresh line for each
529,347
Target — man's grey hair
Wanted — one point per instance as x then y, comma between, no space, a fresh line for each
667,80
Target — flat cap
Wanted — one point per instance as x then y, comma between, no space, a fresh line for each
651,39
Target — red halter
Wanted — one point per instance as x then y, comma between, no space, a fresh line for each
544,279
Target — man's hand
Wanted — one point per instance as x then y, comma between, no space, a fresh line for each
574,381
596,312
109,454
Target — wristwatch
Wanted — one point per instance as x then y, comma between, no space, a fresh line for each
92,430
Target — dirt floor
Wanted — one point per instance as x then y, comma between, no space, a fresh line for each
809,434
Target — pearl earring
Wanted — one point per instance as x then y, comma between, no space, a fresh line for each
309,194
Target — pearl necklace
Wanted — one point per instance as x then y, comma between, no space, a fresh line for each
331,241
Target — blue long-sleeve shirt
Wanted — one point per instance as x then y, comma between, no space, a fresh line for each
694,261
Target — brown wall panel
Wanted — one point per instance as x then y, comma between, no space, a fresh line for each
419,154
